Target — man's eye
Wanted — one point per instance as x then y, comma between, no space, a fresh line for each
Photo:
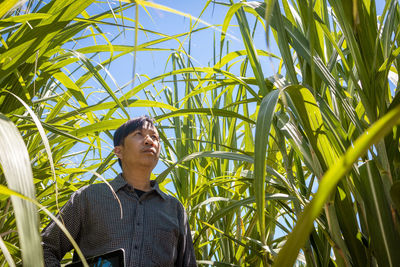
155,137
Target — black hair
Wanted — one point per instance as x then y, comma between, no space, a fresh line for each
128,127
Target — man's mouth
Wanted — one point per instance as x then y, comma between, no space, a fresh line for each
149,150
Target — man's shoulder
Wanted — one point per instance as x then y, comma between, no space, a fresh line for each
90,187
173,201
93,190
171,198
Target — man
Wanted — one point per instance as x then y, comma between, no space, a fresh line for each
153,230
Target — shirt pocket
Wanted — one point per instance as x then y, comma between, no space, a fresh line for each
164,248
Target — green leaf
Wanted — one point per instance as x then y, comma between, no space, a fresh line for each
100,79
211,154
6,6
311,120
395,194
14,160
39,257
205,111
301,231
250,49
263,126
384,239
276,19
6,253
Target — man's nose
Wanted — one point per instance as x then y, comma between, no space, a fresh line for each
148,140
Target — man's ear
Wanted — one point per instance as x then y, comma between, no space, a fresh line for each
117,151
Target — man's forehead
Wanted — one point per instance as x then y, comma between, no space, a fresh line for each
149,126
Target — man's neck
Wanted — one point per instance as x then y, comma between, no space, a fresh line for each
138,178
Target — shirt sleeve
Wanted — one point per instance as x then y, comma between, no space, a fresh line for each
55,243
186,256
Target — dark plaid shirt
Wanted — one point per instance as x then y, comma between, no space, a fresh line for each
153,231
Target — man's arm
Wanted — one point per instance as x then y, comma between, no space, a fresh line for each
54,241
186,256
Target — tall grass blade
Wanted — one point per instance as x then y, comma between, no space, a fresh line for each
14,160
6,6
6,253
263,126
384,238
7,191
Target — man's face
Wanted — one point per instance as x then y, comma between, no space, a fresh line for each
141,148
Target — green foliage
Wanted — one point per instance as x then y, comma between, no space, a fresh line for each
299,168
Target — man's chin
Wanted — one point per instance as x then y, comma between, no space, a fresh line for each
149,162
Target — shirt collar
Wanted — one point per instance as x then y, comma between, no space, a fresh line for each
155,186
120,182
